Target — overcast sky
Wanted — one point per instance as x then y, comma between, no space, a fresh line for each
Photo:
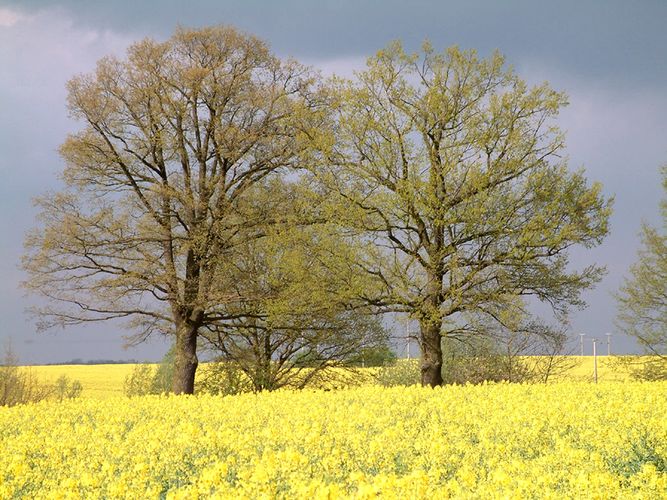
609,56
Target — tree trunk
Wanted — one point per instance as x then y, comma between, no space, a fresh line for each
431,346
185,365
430,326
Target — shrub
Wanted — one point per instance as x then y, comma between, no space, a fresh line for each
139,381
145,379
653,369
649,368
19,386
223,378
380,355
164,374
401,372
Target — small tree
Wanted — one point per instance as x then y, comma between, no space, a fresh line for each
641,367
642,300
294,312
400,372
532,351
65,388
300,316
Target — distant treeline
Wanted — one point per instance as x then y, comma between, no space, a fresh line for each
79,361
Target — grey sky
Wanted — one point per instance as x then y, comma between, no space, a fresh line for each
609,56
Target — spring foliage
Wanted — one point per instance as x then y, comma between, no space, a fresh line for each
453,168
436,185
174,138
642,299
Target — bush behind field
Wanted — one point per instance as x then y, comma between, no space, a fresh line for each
648,368
532,369
19,385
147,379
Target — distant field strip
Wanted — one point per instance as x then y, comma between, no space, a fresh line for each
564,440
105,381
98,381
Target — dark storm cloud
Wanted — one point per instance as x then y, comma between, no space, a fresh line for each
615,39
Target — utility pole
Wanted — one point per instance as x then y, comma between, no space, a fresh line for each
407,337
581,342
595,360
608,343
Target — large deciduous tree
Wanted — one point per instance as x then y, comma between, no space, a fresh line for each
174,137
642,301
451,169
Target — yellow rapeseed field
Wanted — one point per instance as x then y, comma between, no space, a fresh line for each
489,441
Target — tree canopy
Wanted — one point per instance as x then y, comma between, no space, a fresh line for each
452,171
642,299
157,182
